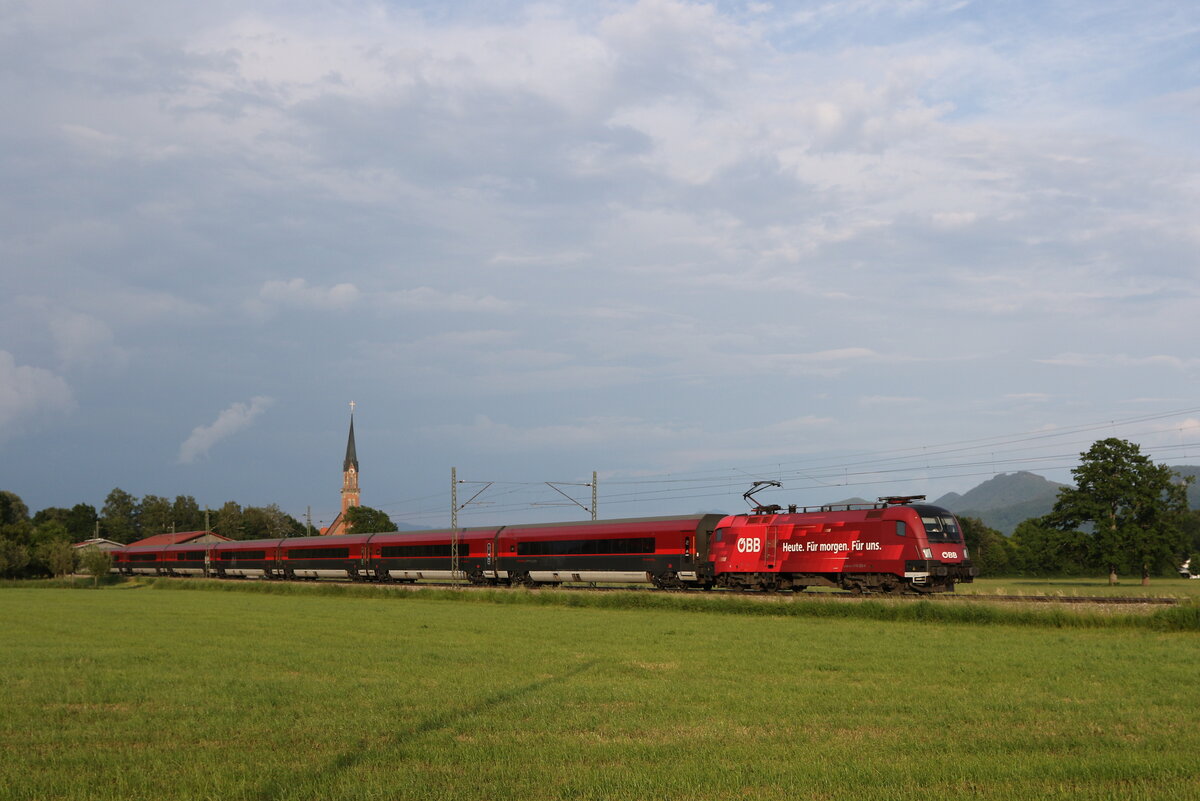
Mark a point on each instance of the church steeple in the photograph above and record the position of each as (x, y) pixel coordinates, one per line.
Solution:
(350, 493)
(351, 454)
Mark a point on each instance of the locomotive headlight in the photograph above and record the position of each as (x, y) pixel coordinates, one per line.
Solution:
(966, 553)
(928, 553)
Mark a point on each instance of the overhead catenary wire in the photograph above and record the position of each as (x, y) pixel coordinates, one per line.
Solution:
(1049, 450)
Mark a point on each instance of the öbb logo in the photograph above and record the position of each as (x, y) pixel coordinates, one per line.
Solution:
(749, 545)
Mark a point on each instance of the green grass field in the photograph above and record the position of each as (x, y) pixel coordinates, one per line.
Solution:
(128, 692)
(1128, 587)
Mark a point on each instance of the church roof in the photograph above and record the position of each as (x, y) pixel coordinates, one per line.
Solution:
(351, 454)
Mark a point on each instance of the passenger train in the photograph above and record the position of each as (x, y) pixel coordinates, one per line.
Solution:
(895, 545)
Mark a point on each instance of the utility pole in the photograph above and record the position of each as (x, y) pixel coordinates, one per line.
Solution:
(453, 521)
(554, 486)
(454, 507)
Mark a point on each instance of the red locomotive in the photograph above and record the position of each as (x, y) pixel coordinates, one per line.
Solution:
(892, 546)
(895, 545)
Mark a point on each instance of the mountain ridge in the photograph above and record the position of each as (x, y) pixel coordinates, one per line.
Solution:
(1006, 500)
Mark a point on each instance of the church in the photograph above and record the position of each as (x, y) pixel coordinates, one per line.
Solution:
(350, 493)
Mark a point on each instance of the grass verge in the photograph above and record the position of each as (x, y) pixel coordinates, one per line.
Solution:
(265, 692)
(1184, 617)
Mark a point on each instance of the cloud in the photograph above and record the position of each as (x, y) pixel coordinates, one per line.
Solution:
(230, 421)
(83, 340)
(483, 432)
(888, 400)
(428, 299)
(297, 294)
(1120, 360)
(26, 391)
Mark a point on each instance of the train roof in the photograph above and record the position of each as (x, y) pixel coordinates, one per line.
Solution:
(622, 521)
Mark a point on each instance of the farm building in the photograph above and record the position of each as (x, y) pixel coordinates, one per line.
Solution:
(181, 537)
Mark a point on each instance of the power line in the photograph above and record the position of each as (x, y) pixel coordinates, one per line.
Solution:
(966, 458)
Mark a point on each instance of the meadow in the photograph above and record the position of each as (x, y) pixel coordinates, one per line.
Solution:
(1127, 587)
(261, 692)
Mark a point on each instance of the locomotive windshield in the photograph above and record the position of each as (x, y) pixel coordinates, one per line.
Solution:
(940, 527)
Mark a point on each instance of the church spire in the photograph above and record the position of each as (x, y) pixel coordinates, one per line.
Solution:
(350, 492)
(351, 453)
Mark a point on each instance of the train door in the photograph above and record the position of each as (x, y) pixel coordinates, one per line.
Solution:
(490, 565)
(770, 544)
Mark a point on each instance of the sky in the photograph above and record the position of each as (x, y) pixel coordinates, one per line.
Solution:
(863, 248)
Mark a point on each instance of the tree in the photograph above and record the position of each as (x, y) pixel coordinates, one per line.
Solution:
(12, 508)
(1040, 549)
(14, 558)
(81, 522)
(15, 525)
(229, 521)
(96, 563)
(119, 517)
(156, 516)
(1134, 508)
(1191, 533)
(268, 522)
(50, 551)
(988, 547)
(186, 514)
(365, 520)
(57, 557)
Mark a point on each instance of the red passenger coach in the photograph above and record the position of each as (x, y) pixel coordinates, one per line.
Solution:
(664, 551)
(138, 560)
(244, 558)
(188, 559)
(416, 555)
(891, 546)
(342, 556)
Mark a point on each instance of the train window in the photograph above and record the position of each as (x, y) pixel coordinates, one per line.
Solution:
(191, 556)
(229, 556)
(318, 553)
(143, 557)
(586, 547)
(423, 551)
(720, 536)
(901, 528)
(940, 528)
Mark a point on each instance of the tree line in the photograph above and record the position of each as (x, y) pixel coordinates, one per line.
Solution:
(1124, 516)
(40, 544)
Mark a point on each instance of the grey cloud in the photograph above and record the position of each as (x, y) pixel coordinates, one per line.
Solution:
(28, 394)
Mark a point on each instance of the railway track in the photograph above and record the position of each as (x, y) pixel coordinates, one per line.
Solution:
(834, 596)
(1071, 599)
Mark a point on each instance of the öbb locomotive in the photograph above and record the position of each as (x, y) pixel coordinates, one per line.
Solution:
(893, 546)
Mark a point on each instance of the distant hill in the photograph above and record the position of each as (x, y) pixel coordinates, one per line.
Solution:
(849, 501)
(1005, 501)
